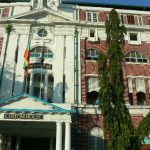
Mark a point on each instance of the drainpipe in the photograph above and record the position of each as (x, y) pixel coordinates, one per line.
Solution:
(8, 29)
(76, 63)
(64, 77)
(76, 83)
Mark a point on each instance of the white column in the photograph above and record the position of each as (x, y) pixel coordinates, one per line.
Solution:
(31, 84)
(58, 135)
(46, 87)
(67, 136)
(51, 143)
(18, 143)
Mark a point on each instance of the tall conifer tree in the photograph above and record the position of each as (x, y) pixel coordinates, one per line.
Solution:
(117, 120)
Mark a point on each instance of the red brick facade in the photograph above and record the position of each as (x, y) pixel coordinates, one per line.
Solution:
(82, 15)
(5, 12)
(91, 67)
(136, 119)
(85, 124)
(88, 121)
(102, 17)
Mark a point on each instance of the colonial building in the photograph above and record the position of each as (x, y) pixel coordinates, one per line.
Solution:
(59, 95)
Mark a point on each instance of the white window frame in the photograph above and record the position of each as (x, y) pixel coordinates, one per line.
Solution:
(148, 20)
(140, 22)
(95, 38)
(92, 16)
(1, 11)
(95, 134)
(121, 19)
(138, 42)
(136, 58)
(90, 56)
(140, 85)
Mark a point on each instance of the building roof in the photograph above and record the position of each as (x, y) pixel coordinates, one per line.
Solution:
(28, 103)
(112, 3)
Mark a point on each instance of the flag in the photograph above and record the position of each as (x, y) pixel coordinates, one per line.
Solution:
(26, 59)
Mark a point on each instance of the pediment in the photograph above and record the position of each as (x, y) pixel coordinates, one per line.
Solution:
(43, 15)
(28, 103)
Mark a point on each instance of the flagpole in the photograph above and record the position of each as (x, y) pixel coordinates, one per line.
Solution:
(26, 83)
(26, 63)
(14, 69)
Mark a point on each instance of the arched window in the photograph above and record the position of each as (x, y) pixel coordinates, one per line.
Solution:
(91, 54)
(40, 50)
(95, 139)
(136, 57)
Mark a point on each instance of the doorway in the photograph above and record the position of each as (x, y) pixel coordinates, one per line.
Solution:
(35, 144)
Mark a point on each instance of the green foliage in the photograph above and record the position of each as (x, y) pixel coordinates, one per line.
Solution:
(143, 129)
(8, 28)
(117, 120)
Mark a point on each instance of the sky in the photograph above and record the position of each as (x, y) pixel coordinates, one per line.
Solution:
(145, 3)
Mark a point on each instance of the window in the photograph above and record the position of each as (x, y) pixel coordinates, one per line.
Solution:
(40, 50)
(130, 19)
(141, 98)
(50, 88)
(91, 54)
(95, 139)
(140, 21)
(130, 98)
(42, 86)
(136, 57)
(93, 35)
(92, 17)
(38, 85)
(140, 85)
(130, 87)
(122, 18)
(42, 33)
(134, 38)
(92, 88)
(0, 12)
(92, 98)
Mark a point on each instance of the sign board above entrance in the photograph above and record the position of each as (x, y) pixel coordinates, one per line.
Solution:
(39, 65)
(23, 116)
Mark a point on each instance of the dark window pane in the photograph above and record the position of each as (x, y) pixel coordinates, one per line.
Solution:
(133, 60)
(133, 37)
(139, 60)
(144, 60)
(140, 98)
(130, 99)
(92, 33)
(130, 19)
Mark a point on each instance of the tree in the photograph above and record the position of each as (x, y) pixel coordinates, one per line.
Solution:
(117, 120)
(143, 129)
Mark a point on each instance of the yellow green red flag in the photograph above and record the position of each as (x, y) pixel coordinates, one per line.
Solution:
(26, 59)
